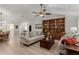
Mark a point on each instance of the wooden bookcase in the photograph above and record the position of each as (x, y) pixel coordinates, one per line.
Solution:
(55, 26)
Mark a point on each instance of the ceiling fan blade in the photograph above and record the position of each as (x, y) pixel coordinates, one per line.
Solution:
(44, 10)
(36, 15)
(34, 12)
(47, 13)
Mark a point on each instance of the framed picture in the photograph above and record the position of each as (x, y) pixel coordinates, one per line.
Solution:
(38, 26)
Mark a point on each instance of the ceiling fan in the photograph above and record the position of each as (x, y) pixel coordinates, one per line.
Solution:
(42, 11)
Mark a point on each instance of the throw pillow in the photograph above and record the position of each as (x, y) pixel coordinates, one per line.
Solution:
(70, 41)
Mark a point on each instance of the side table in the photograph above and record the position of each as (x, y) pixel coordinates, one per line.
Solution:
(46, 44)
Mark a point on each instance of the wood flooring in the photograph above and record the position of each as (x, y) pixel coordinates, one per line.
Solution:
(35, 49)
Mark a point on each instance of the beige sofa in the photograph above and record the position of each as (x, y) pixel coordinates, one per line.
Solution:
(30, 38)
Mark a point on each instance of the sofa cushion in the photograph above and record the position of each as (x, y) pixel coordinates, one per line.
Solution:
(25, 34)
(35, 38)
(35, 33)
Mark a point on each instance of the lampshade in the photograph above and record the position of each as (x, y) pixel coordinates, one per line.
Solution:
(41, 15)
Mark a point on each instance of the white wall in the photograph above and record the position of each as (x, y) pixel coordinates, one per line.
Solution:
(16, 15)
(71, 21)
(78, 23)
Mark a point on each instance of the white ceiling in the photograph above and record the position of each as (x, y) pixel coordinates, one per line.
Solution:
(54, 8)
(23, 12)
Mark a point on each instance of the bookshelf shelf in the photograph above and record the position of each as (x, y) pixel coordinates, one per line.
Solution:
(55, 26)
